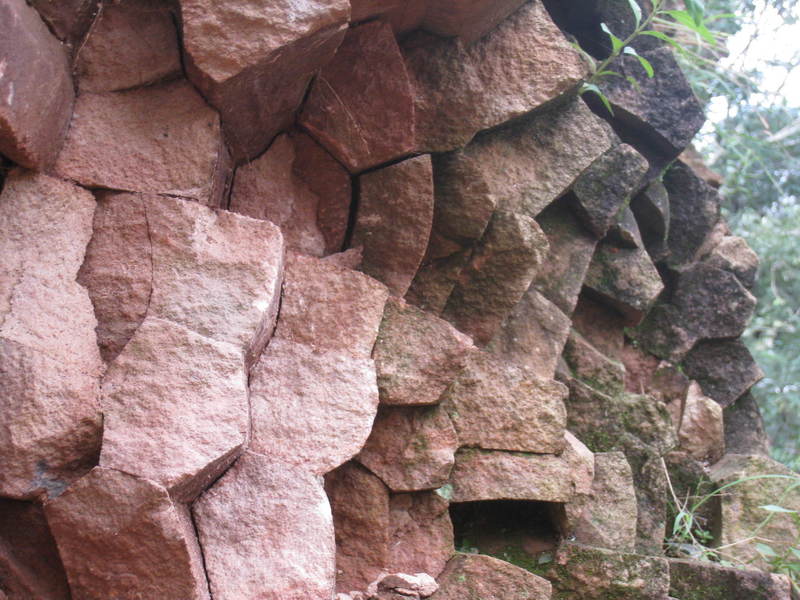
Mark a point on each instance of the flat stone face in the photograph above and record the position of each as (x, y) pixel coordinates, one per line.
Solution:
(651, 209)
(68, 19)
(411, 448)
(664, 107)
(216, 273)
(626, 279)
(420, 534)
(479, 576)
(131, 43)
(361, 107)
(467, 19)
(459, 91)
(725, 369)
(175, 407)
(118, 269)
(498, 274)
(494, 475)
(161, 139)
(329, 307)
(266, 531)
(50, 363)
(744, 427)
(701, 430)
(36, 92)
(585, 573)
(716, 582)
(122, 537)
(29, 560)
(360, 505)
(497, 405)
(417, 355)
(311, 408)
(602, 190)
(734, 255)
(254, 61)
(269, 189)
(532, 335)
(607, 517)
(395, 214)
(591, 366)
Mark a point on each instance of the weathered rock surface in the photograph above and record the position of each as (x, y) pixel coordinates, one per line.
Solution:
(161, 139)
(498, 274)
(312, 408)
(695, 579)
(266, 531)
(592, 367)
(30, 566)
(269, 189)
(36, 92)
(417, 355)
(67, 19)
(174, 393)
(49, 361)
(725, 369)
(700, 427)
(525, 62)
(121, 536)
(479, 576)
(496, 405)
(421, 533)
(606, 518)
(395, 214)
(493, 475)
(605, 187)
(361, 107)
(329, 307)
(468, 20)
(734, 255)
(532, 335)
(118, 269)
(411, 448)
(624, 232)
(744, 427)
(254, 65)
(651, 209)
(601, 326)
(584, 573)
(131, 43)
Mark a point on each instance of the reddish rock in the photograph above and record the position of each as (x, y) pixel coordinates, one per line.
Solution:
(30, 566)
(216, 273)
(592, 366)
(417, 355)
(365, 9)
(390, 586)
(420, 533)
(411, 448)
(269, 189)
(122, 537)
(311, 407)
(49, 361)
(498, 405)
(266, 531)
(487, 578)
(175, 407)
(360, 505)
(493, 475)
(131, 43)
(361, 106)
(734, 255)
(67, 19)
(606, 518)
(36, 92)
(701, 430)
(438, 274)
(498, 274)
(560, 277)
(523, 63)
(395, 213)
(467, 19)
(532, 335)
(717, 582)
(329, 307)
(161, 139)
(254, 61)
(326, 178)
(348, 259)
(118, 269)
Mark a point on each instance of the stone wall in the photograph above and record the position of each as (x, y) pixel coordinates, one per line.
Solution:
(360, 297)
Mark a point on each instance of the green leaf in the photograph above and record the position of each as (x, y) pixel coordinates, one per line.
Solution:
(648, 68)
(608, 73)
(591, 87)
(696, 10)
(636, 10)
(684, 18)
(765, 550)
(616, 43)
(662, 36)
(776, 509)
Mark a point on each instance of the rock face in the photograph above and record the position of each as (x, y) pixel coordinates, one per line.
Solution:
(254, 65)
(162, 139)
(36, 92)
(718, 582)
(122, 537)
(361, 107)
(50, 365)
(478, 576)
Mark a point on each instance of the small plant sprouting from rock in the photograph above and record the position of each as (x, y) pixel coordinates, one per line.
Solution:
(691, 21)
